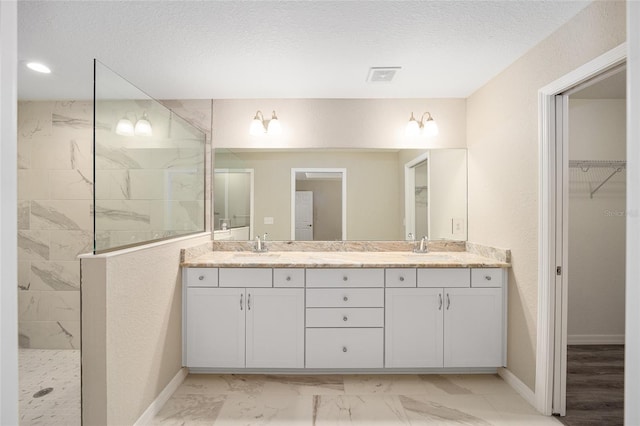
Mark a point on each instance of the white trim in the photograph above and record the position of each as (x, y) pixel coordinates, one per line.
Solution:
(162, 398)
(518, 385)
(595, 339)
(318, 170)
(546, 217)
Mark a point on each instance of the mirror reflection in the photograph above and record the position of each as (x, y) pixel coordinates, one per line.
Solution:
(340, 194)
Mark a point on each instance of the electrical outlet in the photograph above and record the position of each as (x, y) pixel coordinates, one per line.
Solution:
(457, 226)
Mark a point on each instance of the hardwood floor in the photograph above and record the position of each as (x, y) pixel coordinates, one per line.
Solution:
(595, 385)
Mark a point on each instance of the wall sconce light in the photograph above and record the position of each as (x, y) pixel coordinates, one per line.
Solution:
(426, 128)
(260, 126)
(125, 126)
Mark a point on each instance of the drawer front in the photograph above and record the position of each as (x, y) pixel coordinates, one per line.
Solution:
(444, 277)
(486, 277)
(400, 277)
(345, 277)
(345, 317)
(202, 277)
(345, 298)
(344, 348)
(288, 277)
(246, 277)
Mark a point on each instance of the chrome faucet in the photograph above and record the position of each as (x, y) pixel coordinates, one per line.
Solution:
(422, 248)
(260, 245)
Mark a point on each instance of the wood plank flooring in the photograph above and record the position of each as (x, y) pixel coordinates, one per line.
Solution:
(595, 385)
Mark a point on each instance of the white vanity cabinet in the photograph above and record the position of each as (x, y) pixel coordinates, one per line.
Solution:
(236, 327)
(453, 318)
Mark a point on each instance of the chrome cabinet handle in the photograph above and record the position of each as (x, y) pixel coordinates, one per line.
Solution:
(448, 301)
(401, 279)
(344, 318)
(344, 349)
(345, 278)
(241, 300)
(288, 278)
(249, 302)
(346, 299)
(487, 277)
(440, 301)
(201, 277)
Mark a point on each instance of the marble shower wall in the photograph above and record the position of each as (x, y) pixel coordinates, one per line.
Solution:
(55, 224)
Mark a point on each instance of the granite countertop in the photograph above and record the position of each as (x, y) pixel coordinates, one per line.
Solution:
(351, 259)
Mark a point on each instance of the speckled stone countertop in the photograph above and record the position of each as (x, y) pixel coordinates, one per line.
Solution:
(345, 259)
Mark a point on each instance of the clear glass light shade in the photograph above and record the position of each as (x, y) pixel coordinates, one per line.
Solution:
(430, 128)
(413, 128)
(257, 127)
(143, 127)
(274, 127)
(124, 127)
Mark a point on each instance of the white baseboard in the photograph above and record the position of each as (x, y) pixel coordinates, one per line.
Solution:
(517, 384)
(595, 339)
(157, 404)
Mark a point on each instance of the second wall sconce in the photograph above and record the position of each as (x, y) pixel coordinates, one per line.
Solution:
(425, 127)
(125, 126)
(260, 126)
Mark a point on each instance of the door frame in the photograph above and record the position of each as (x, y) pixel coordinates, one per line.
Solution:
(251, 174)
(342, 171)
(553, 168)
(410, 195)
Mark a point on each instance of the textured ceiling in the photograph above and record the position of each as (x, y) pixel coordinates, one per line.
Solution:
(279, 49)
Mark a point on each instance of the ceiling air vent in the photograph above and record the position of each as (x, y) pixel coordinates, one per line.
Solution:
(382, 74)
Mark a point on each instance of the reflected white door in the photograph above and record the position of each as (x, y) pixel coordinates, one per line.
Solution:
(304, 215)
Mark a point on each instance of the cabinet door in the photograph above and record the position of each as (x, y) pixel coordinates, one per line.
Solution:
(215, 327)
(413, 327)
(473, 327)
(275, 328)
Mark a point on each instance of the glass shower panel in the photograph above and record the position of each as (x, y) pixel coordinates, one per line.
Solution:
(149, 167)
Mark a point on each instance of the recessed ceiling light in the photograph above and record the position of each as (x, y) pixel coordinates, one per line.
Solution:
(38, 67)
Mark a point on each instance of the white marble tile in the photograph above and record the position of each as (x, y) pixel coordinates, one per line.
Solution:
(514, 409)
(358, 410)
(191, 409)
(24, 274)
(52, 154)
(294, 385)
(33, 245)
(391, 384)
(24, 213)
(71, 184)
(55, 275)
(147, 184)
(33, 184)
(123, 215)
(113, 185)
(118, 158)
(449, 409)
(34, 119)
(24, 153)
(49, 306)
(57, 369)
(222, 384)
(67, 245)
(77, 109)
(49, 334)
(478, 384)
(259, 410)
(61, 214)
(195, 111)
(184, 185)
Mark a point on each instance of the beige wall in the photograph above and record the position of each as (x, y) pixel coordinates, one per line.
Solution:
(132, 329)
(448, 194)
(596, 269)
(502, 139)
(327, 208)
(338, 123)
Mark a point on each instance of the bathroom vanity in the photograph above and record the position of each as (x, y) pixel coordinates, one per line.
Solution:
(344, 311)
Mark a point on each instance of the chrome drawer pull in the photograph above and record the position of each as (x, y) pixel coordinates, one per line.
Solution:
(344, 349)
(288, 278)
(487, 277)
(345, 278)
(346, 299)
(344, 318)
(448, 301)
(201, 277)
(440, 302)
(401, 278)
(249, 301)
(241, 301)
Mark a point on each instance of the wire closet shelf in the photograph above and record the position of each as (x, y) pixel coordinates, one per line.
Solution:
(597, 172)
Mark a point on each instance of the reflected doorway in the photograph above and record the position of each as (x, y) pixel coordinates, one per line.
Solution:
(318, 204)
(416, 174)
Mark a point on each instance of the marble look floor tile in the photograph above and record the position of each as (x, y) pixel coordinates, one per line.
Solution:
(390, 384)
(304, 384)
(478, 384)
(262, 410)
(221, 384)
(192, 409)
(380, 410)
(449, 409)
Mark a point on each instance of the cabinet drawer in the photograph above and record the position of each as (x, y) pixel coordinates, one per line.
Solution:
(345, 317)
(288, 277)
(486, 277)
(444, 277)
(344, 348)
(202, 277)
(246, 277)
(345, 277)
(345, 297)
(400, 277)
